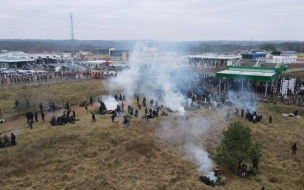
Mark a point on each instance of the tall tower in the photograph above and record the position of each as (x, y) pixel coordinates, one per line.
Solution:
(72, 35)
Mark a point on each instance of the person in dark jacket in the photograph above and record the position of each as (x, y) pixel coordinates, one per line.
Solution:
(42, 116)
(91, 100)
(296, 113)
(67, 105)
(31, 122)
(93, 117)
(113, 117)
(255, 162)
(74, 115)
(294, 149)
(13, 139)
(41, 107)
(36, 116)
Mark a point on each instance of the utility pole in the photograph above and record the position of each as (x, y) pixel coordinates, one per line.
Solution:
(72, 40)
(250, 44)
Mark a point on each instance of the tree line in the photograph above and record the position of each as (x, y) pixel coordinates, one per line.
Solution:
(286, 46)
(189, 47)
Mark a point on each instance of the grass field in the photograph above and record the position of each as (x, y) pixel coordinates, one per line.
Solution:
(105, 155)
(73, 92)
(298, 75)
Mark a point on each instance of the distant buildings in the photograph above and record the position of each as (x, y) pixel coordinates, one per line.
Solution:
(105, 53)
(20, 59)
(255, 56)
(300, 57)
(286, 57)
(119, 55)
(210, 59)
(150, 55)
(94, 54)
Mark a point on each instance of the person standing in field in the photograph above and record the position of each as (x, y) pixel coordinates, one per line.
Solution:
(294, 149)
(74, 115)
(42, 116)
(93, 117)
(36, 116)
(91, 100)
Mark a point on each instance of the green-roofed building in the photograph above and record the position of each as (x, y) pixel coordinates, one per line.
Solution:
(254, 71)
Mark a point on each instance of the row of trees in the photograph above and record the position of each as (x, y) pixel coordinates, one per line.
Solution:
(40, 46)
(190, 47)
(286, 46)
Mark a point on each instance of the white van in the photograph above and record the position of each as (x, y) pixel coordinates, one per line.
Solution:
(21, 71)
(3, 69)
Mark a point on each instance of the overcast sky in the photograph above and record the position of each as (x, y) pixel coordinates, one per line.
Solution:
(153, 19)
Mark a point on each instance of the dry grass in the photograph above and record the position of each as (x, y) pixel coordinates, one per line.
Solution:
(104, 155)
(73, 92)
(298, 75)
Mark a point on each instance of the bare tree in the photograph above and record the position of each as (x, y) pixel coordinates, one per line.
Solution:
(24, 97)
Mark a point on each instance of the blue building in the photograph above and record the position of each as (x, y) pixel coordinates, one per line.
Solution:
(254, 56)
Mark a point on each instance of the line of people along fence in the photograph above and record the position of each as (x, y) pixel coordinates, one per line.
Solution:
(21, 79)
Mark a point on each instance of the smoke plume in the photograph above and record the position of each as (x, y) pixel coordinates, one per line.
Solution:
(168, 85)
(187, 135)
(110, 102)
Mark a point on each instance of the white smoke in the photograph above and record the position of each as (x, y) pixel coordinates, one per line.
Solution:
(189, 101)
(241, 100)
(212, 176)
(124, 80)
(143, 79)
(127, 80)
(110, 102)
(200, 157)
(189, 133)
(173, 100)
(17, 131)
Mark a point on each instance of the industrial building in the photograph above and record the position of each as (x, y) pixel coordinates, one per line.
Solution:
(16, 60)
(286, 57)
(119, 56)
(212, 59)
(254, 56)
(300, 57)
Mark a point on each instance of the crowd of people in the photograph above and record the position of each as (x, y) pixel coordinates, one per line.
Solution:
(43, 76)
(243, 170)
(198, 89)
